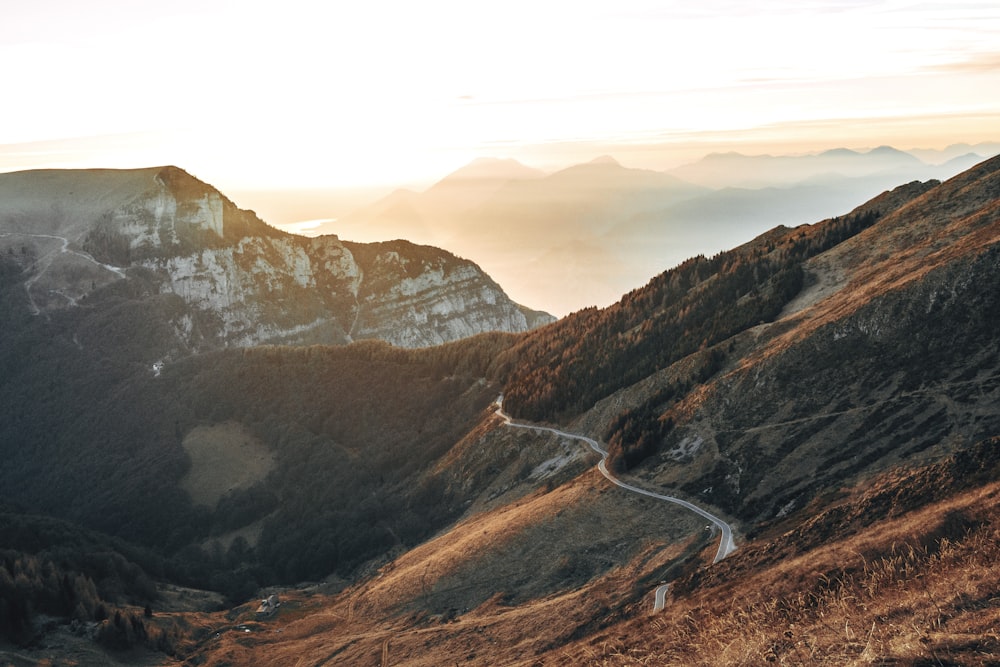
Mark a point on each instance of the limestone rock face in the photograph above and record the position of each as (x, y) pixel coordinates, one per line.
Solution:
(416, 296)
(78, 235)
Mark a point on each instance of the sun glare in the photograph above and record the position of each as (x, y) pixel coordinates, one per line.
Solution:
(399, 93)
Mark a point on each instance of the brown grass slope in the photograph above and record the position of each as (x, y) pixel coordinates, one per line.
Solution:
(896, 571)
(899, 571)
(569, 556)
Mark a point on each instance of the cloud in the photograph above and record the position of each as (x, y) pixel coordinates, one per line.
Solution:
(979, 63)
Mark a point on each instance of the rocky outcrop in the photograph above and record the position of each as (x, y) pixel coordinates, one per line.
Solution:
(246, 283)
(416, 296)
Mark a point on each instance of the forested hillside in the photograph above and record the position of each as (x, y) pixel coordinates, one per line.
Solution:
(91, 434)
(561, 371)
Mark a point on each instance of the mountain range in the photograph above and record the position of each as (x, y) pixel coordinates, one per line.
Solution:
(829, 390)
(584, 235)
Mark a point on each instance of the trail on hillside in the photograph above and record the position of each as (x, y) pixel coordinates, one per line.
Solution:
(726, 543)
(44, 262)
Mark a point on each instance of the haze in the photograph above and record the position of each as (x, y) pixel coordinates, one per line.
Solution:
(342, 102)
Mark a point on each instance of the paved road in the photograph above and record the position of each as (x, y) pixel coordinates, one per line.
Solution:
(726, 543)
(661, 597)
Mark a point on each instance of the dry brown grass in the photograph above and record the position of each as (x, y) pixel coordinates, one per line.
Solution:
(503, 586)
(893, 594)
(900, 572)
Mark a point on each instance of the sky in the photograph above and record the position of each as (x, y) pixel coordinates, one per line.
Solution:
(267, 95)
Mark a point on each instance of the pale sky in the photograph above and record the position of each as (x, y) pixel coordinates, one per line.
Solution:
(340, 94)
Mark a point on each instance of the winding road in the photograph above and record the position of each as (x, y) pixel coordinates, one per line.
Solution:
(726, 543)
(661, 597)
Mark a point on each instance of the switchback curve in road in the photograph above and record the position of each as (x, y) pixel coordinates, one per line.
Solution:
(661, 597)
(726, 543)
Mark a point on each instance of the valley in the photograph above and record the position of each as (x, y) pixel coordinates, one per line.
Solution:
(827, 392)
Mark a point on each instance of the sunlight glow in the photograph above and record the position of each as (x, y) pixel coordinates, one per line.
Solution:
(348, 94)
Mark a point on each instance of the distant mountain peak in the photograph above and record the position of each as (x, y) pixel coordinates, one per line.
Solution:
(888, 150)
(605, 159)
(486, 160)
(490, 168)
(728, 155)
(839, 152)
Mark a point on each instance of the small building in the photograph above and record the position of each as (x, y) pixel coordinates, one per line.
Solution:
(268, 606)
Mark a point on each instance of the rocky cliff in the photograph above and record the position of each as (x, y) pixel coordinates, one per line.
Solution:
(78, 234)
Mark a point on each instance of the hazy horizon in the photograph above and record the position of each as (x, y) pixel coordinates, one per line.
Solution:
(339, 104)
(564, 261)
(390, 93)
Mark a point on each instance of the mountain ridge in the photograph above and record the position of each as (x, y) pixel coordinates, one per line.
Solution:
(244, 281)
(634, 220)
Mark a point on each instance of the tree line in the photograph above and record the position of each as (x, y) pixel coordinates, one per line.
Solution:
(559, 371)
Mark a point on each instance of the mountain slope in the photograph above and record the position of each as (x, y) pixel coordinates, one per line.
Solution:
(898, 571)
(831, 390)
(809, 356)
(800, 383)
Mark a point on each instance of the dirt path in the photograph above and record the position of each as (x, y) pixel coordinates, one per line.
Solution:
(44, 263)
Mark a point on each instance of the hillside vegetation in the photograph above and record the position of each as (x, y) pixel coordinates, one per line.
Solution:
(830, 389)
(899, 571)
(92, 436)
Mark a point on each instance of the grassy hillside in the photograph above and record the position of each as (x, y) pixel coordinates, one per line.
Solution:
(897, 571)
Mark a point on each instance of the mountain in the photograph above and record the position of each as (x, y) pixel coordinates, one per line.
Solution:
(429, 216)
(633, 222)
(853, 279)
(831, 388)
(84, 238)
(517, 223)
(472, 184)
(828, 390)
(935, 156)
(580, 203)
(720, 170)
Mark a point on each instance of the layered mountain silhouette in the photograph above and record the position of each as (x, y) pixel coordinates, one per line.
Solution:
(628, 224)
(831, 389)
